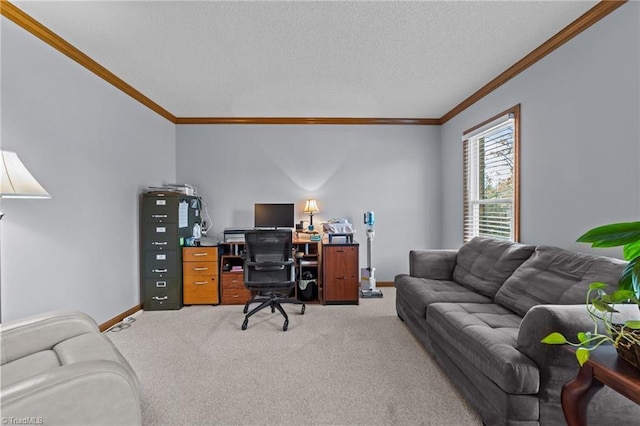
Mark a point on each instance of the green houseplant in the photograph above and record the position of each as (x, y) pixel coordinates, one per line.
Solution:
(601, 306)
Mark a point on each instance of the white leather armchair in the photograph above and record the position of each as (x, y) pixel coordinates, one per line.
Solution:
(57, 368)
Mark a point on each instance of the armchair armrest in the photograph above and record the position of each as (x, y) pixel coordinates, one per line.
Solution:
(41, 332)
(432, 264)
(89, 392)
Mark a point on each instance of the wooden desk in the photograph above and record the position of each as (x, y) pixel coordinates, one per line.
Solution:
(604, 367)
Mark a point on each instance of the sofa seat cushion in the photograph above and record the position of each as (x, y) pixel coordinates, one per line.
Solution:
(28, 366)
(554, 276)
(421, 292)
(483, 264)
(485, 336)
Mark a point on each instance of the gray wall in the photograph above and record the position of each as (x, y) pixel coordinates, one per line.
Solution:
(93, 148)
(392, 170)
(580, 137)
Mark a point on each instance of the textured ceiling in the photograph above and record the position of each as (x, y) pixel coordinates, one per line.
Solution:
(306, 58)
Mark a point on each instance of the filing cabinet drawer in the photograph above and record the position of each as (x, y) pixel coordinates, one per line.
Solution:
(159, 294)
(199, 268)
(157, 236)
(235, 296)
(200, 290)
(161, 264)
(160, 209)
(200, 254)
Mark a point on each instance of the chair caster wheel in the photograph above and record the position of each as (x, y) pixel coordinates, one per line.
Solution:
(246, 309)
(303, 308)
(285, 326)
(273, 310)
(245, 323)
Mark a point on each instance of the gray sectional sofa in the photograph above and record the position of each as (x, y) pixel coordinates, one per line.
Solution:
(481, 312)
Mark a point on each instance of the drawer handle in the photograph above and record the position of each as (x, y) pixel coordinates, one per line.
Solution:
(200, 282)
(339, 251)
(234, 281)
(341, 278)
(159, 270)
(200, 254)
(158, 215)
(159, 243)
(160, 298)
(201, 269)
(235, 296)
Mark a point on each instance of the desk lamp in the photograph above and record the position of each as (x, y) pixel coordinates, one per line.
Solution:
(311, 207)
(16, 181)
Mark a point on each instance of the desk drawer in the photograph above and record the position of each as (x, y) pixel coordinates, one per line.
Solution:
(200, 290)
(199, 268)
(233, 280)
(235, 296)
(200, 254)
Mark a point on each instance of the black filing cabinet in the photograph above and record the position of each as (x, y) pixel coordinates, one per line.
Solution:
(167, 219)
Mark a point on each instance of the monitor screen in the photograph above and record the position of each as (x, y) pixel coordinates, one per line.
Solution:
(273, 215)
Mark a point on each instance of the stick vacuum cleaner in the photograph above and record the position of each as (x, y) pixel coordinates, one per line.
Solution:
(368, 281)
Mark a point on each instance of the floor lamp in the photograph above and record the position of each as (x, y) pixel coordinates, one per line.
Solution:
(16, 181)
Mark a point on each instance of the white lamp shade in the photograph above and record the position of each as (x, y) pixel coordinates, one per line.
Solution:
(16, 181)
(311, 206)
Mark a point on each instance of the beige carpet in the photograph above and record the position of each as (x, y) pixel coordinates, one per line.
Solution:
(335, 365)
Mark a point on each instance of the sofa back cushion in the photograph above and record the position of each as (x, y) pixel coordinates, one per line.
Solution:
(483, 264)
(556, 276)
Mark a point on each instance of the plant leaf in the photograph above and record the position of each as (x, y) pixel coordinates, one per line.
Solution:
(634, 324)
(631, 250)
(582, 336)
(621, 296)
(602, 306)
(597, 285)
(554, 338)
(612, 235)
(582, 354)
(625, 282)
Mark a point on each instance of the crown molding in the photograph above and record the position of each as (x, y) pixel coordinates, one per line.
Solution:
(25, 21)
(587, 19)
(593, 15)
(308, 120)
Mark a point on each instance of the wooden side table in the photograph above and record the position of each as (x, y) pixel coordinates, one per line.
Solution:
(604, 367)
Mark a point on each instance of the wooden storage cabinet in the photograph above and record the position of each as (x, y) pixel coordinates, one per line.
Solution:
(340, 274)
(233, 290)
(200, 276)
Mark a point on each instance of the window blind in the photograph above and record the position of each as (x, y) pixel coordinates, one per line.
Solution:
(489, 181)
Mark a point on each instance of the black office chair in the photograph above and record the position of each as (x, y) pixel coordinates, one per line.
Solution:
(269, 270)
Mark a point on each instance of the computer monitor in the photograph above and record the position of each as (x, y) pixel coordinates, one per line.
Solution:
(274, 215)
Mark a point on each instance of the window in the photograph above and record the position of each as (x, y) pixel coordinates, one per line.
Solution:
(491, 178)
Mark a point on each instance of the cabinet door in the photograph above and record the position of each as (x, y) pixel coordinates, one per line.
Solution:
(341, 273)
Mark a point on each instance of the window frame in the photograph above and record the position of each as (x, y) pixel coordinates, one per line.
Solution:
(467, 135)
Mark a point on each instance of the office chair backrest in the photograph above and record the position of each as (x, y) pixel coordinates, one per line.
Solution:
(265, 246)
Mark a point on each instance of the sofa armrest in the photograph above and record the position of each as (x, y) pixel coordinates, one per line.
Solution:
(555, 363)
(41, 332)
(90, 392)
(432, 264)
